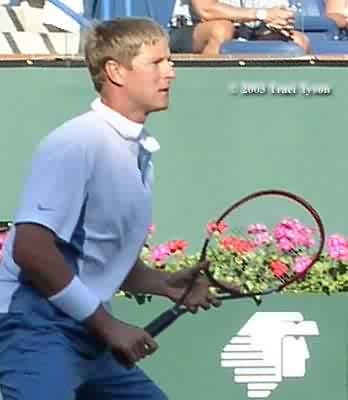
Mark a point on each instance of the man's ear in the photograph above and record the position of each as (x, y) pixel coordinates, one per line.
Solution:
(115, 72)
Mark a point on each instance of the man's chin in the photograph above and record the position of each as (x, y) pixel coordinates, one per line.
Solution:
(159, 107)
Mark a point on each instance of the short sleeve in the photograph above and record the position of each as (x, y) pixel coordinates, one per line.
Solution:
(55, 190)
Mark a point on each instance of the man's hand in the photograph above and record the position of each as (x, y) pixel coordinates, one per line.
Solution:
(128, 343)
(199, 296)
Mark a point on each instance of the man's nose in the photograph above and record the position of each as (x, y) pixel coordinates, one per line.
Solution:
(170, 71)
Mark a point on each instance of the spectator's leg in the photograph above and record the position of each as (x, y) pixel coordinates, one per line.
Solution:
(302, 40)
(209, 36)
(298, 38)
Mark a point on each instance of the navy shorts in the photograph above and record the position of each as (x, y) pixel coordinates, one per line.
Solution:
(181, 39)
(46, 355)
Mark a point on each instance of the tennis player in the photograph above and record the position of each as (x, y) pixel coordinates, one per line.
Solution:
(78, 231)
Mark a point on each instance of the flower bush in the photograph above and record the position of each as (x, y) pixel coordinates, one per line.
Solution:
(255, 260)
(261, 256)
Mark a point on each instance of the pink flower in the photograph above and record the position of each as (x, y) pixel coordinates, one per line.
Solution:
(151, 229)
(263, 238)
(256, 229)
(216, 229)
(285, 244)
(338, 247)
(291, 234)
(160, 254)
(3, 236)
(260, 233)
(301, 264)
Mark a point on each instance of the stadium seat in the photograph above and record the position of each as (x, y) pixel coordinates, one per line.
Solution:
(159, 10)
(313, 18)
(274, 47)
(321, 45)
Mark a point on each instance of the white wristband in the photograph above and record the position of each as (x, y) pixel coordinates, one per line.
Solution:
(76, 300)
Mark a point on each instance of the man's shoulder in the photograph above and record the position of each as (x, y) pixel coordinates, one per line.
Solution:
(78, 125)
(80, 129)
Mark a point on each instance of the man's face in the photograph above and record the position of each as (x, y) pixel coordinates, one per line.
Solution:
(148, 82)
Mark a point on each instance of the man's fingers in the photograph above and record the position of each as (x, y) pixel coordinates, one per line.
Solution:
(214, 301)
(139, 351)
(205, 265)
(201, 266)
(150, 345)
(193, 309)
(125, 358)
(205, 305)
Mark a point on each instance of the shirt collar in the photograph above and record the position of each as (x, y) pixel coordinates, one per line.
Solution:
(128, 129)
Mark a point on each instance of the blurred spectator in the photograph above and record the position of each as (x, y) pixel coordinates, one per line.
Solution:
(3, 234)
(338, 11)
(202, 26)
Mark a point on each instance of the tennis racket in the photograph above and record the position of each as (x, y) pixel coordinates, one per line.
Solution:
(258, 246)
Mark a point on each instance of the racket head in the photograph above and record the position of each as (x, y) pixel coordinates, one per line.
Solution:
(290, 259)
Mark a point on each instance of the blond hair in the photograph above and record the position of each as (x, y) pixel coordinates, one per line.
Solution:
(119, 40)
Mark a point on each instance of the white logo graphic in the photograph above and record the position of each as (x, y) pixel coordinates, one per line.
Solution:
(270, 346)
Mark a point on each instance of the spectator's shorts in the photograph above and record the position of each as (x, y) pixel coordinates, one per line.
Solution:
(181, 39)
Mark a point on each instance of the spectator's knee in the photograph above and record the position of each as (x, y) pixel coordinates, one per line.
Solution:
(222, 31)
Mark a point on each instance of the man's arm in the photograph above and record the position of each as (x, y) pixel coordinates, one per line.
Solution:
(36, 253)
(209, 10)
(143, 279)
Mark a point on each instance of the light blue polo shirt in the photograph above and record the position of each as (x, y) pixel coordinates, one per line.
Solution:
(90, 182)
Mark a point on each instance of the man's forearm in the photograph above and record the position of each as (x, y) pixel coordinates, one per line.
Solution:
(224, 11)
(43, 264)
(143, 279)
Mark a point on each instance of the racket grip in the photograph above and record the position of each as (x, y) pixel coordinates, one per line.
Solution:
(164, 320)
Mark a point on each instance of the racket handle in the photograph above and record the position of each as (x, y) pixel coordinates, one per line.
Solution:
(164, 320)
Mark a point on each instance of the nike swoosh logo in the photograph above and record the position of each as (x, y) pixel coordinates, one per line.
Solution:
(41, 208)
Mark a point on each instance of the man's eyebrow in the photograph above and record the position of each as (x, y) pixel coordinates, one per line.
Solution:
(162, 58)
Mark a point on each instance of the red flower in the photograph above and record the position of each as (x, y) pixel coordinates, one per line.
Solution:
(238, 245)
(279, 269)
(218, 229)
(177, 246)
